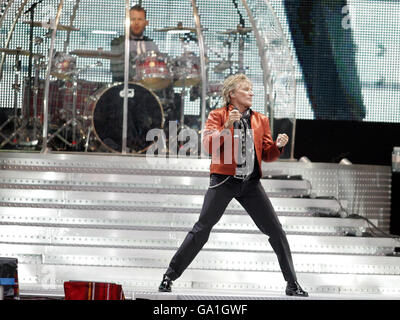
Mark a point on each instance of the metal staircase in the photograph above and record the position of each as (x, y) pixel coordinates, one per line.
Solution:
(120, 219)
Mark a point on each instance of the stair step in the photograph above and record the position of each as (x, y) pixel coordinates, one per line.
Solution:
(12, 179)
(149, 239)
(230, 222)
(205, 260)
(135, 201)
(49, 279)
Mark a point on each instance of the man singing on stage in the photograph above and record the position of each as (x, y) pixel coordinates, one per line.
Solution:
(237, 138)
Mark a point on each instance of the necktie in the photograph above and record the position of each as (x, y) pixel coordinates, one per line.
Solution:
(245, 159)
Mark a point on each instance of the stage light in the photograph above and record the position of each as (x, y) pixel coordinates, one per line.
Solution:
(304, 159)
(396, 159)
(345, 162)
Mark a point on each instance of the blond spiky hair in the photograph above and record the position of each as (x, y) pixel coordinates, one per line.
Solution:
(230, 84)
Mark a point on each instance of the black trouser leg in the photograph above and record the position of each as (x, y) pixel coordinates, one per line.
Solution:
(215, 202)
(257, 204)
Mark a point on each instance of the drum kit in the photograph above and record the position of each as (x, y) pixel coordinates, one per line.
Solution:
(88, 115)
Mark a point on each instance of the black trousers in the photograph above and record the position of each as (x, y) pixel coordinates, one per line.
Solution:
(251, 195)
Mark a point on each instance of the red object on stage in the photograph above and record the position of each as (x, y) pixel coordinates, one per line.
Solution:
(82, 290)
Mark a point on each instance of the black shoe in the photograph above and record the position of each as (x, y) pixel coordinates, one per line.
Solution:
(165, 285)
(294, 289)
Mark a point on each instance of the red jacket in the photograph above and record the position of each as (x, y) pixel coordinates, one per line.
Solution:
(213, 141)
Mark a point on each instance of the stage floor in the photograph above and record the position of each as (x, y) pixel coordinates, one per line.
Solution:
(253, 295)
(200, 295)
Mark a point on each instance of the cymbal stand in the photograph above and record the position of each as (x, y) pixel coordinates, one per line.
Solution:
(183, 94)
(31, 10)
(35, 91)
(30, 137)
(241, 53)
(16, 87)
(174, 142)
(85, 117)
(228, 43)
(73, 122)
(185, 39)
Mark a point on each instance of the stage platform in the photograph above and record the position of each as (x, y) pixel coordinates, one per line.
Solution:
(115, 218)
(224, 295)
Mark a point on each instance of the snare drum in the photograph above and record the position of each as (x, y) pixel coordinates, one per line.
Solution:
(187, 70)
(153, 70)
(144, 113)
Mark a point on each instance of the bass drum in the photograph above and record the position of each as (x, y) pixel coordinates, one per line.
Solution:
(144, 113)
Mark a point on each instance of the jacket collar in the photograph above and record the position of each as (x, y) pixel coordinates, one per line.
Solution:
(230, 108)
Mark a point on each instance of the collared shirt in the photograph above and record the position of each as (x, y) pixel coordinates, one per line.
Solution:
(256, 171)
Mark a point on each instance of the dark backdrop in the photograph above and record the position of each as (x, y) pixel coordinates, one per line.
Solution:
(360, 142)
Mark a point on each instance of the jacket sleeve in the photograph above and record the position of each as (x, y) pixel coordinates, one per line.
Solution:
(270, 151)
(214, 131)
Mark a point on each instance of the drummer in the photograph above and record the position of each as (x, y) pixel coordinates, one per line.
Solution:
(138, 44)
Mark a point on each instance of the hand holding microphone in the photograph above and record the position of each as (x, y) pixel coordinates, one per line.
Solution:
(233, 119)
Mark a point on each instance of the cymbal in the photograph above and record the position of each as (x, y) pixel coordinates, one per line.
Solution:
(240, 30)
(20, 52)
(101, 54)
(47, 25)
(178, 29)
(222, 66)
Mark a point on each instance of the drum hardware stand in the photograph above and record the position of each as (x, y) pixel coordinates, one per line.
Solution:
(33, 122)
(32, 16)
(184, 41)
(16, 87)
(73, 122)
(183, 94)
(38, 66)
(241, 53)
(90, 129)
(239, 33)
(228, 43)
(25, 112)
(97, 64)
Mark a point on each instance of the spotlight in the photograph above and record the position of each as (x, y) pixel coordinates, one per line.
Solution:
(345, 162)
(304, 159)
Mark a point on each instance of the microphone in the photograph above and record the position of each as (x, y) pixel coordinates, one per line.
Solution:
(236, 127)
